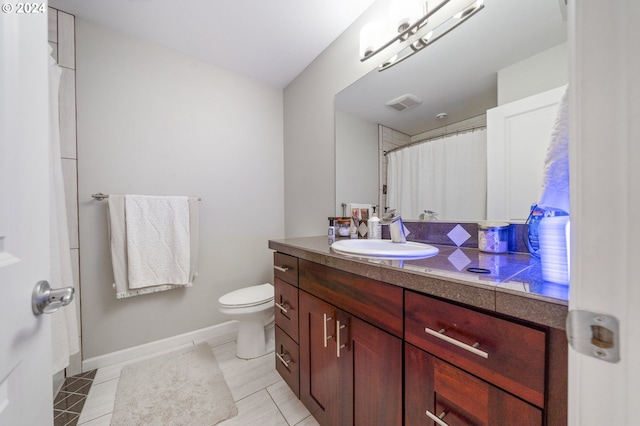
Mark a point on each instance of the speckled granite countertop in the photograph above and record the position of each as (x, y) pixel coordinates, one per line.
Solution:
(514, 287)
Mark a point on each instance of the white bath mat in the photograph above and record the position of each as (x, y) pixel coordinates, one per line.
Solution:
(179, 388)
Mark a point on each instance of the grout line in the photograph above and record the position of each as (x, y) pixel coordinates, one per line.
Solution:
(277, 406)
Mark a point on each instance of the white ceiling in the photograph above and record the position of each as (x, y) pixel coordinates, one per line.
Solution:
(269, 40)
(458, 74)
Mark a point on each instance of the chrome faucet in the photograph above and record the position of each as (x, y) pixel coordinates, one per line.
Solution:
(396, 227)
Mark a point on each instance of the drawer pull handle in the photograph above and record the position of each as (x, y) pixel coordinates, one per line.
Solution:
(284, 358)
(338, 345)
(473, 349)
(281, 268)
(437, 419)
(326, 338)
(284, 307)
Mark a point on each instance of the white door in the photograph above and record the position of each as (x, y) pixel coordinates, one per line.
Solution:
(604, 108)
(25, 339)
(518, 136)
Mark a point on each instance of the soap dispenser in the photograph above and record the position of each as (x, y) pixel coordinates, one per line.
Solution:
(374, 227)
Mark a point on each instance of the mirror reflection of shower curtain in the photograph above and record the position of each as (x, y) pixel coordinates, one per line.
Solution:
(64, 323)
(447, 176)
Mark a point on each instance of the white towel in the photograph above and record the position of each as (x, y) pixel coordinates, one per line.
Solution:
(555, 181)
(157, 240)
(119, 252)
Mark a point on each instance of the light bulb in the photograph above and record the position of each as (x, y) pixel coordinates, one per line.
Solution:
(371, 38)
(404, 13)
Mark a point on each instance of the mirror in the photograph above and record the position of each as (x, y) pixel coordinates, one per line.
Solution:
(508, 51)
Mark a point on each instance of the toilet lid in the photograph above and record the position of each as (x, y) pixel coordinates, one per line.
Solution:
(248, 296)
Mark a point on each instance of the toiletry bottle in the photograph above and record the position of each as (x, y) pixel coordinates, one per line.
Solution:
(331, 232)
(375, 229)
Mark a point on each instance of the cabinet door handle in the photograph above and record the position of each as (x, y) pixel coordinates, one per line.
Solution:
(284, 307)
(471, 348)
(284, 358)
(338, 345)
(281, 268)
(437, 419)
(326, 338)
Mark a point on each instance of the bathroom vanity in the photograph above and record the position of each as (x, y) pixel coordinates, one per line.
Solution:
(369, 342)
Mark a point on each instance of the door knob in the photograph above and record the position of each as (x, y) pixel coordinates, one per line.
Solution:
(44, 300)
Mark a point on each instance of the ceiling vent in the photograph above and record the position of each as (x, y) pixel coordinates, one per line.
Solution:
(404, 102)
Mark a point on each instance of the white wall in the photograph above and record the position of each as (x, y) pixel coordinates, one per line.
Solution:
(154, 121)
(536, 74)
(309, 162)
(356, 161)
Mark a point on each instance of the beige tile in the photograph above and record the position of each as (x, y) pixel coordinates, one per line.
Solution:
(52, 17)
(226, 356)
(309, 421)
(290, 406)
(67, 119)
(480, 120)
(109, 373)
(54, 52)
(256, 409)
(100, 421)
(66, 40)
(99, 401)
(69, 176)
(251, 376)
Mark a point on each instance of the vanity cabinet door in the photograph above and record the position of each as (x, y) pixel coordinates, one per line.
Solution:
(375, 369)
(350, 370)
(435, 389)
(321, 389)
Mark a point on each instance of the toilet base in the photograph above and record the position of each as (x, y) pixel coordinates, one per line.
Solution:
(254, 339)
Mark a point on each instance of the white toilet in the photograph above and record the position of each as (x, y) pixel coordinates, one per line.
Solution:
(252, 307)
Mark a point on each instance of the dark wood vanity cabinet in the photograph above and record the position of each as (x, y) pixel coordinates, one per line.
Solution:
(350, 369)
(363, 352)
(466, 367)
(286, 319)
(436, 389)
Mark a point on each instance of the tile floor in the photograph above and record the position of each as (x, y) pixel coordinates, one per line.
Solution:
(261, 395)
(69, 401)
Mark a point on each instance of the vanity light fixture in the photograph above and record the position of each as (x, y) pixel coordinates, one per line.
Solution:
(413, 25)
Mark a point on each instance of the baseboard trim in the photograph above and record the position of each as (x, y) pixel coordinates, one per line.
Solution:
(215, 335)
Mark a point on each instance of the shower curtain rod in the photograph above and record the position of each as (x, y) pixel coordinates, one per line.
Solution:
(100, 196)
(456, 132)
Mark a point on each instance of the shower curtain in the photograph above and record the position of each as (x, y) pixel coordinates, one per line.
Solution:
(64, 323)
(447, 176)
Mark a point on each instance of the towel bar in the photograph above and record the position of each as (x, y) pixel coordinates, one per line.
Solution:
(100, 196)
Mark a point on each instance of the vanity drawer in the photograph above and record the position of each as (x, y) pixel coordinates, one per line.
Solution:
(287, 360)
(376, 302)
(286, 308)
(285, 267)
(507, 354)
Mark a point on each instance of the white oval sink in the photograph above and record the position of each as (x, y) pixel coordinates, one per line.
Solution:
(384, 249)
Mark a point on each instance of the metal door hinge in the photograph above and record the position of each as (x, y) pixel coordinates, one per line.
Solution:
(595, 335)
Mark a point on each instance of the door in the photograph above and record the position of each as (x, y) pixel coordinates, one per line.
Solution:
(25, 339)
(518, 136)
(321, 387)
(604, 108)
(374, 360)
(435, 389)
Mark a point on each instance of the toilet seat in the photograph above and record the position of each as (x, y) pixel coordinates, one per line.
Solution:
(248, 296)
